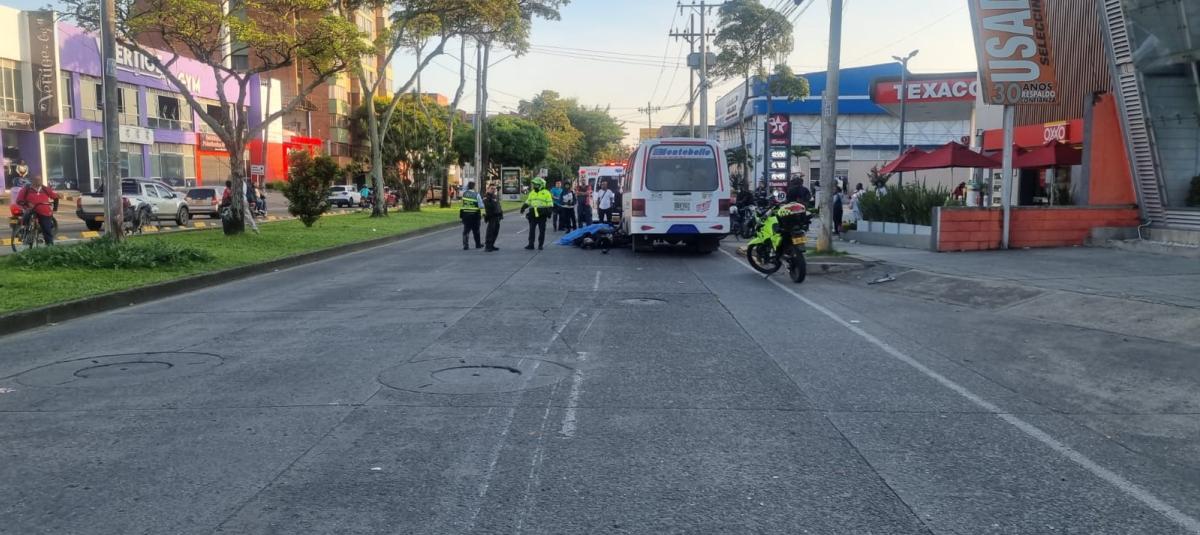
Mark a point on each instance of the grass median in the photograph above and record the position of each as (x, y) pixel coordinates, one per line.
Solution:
(24, 288)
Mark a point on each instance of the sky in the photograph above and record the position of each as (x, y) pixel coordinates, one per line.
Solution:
(617, 54)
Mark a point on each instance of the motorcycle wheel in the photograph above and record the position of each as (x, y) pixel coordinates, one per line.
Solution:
(748, 228)
(798, 269)
(763, 258)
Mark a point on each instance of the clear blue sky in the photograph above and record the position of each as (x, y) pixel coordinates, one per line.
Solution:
(631, 36)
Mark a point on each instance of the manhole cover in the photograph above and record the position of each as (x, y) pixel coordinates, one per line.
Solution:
(474, 376)
(119, 370)
(643, 301)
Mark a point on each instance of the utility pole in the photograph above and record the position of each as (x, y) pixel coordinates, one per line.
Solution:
(691, 79)
(649, 110)
(113, 211)
(478, 119)
(703, 7)
(483, 100)
(903, 101)
(829, 114)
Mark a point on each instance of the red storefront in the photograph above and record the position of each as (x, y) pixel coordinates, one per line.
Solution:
(276, 164)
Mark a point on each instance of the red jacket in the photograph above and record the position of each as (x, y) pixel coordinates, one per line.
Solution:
(38, 198)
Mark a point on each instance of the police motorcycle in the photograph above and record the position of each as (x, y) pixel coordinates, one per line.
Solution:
(781, 240)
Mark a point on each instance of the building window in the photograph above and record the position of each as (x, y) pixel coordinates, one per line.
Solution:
(174, 164)
(10, 86)
(91, 91)
(240, 62)
(67, 96)
(168, 111)
(130, 159)
(60, 161)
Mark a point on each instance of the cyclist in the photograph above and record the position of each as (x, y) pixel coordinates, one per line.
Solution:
(35, 199)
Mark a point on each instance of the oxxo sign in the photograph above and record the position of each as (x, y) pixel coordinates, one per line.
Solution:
(1054, 132)
(1012, 41)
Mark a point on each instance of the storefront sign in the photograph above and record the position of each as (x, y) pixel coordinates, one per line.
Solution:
(210, 142)
(1012, 41)
(1036, 135)
(140, 64)
(1054, 131)
(43, 62)
(15, 120)
(958, 89)
(136, 134)
(779, 143)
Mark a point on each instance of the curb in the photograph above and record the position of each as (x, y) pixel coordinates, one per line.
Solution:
(24, 320)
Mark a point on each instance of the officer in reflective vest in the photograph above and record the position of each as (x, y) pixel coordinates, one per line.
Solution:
(539, 204)
(470, 212)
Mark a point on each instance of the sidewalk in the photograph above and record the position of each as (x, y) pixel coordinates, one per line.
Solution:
(1137, 294)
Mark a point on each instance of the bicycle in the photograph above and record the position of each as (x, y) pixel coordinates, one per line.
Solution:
(29, 234)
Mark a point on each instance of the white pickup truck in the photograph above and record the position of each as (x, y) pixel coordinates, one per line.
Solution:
(162, 203)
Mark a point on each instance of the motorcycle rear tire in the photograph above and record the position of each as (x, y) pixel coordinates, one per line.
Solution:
(798, 269)
(763, 258)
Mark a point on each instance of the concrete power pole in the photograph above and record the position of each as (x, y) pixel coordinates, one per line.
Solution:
(113, 212)
(479, 119)
(649, 111)
(829, 114)
(692, 37)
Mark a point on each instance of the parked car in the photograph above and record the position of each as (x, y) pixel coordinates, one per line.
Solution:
(434, 194)
(389, 197)
(345, 196)
(204, 200)
(165, 204)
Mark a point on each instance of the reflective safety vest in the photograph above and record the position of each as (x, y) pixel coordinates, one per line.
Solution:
(539, 199)
(470, 202)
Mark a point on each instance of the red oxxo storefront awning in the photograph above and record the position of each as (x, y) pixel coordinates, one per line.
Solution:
(1037, 135)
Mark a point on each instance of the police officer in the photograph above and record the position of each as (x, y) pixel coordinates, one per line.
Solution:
(539, 204)
(492, 213)
(470, 212)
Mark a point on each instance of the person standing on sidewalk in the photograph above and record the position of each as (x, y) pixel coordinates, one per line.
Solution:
(492, 213)
(539, 204)
(470, 214)
(604, 202)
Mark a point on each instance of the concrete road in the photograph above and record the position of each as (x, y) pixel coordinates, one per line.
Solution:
(419, 388)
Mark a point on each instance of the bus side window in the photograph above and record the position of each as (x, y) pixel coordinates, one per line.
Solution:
(627, 184)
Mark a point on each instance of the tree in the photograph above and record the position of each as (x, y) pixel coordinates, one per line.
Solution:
(602, 135)
(307, 188)
(415, 25)
(304, 34)
(512, 142)
(749, 34)
(552, 113)
(415, 143)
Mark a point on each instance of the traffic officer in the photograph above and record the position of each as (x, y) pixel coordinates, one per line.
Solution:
(540, 204)
(470, 214)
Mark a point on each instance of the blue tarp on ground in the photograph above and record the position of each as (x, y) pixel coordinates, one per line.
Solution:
(570, 237)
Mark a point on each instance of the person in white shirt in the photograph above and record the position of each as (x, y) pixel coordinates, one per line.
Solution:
(604, 202)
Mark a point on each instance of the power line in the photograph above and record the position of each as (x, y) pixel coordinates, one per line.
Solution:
(606, 59)
(911, 34)
(666, 49)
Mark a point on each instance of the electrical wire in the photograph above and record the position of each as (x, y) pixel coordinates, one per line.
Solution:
(910, 34)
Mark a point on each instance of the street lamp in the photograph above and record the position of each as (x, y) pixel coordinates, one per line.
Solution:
(903, 99)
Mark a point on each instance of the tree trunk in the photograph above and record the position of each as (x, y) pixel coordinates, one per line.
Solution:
(377, 210)
(237, 172)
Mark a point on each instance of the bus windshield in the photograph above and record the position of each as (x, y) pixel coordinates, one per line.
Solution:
(681, 168)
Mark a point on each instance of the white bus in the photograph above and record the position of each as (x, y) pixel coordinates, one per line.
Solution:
(677, 190)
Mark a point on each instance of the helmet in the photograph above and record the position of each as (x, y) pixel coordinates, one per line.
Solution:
(538, 182)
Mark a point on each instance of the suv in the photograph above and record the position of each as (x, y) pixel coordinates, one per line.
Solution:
(164, 203)
(345, 196)
(205, 200)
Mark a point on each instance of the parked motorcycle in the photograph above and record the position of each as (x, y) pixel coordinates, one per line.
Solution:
(781, 239)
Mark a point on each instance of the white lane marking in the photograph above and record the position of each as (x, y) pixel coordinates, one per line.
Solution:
(1124, 485)
(519, 232)
(535, 462)
(485, 484)
(596, 285)
(567, 430)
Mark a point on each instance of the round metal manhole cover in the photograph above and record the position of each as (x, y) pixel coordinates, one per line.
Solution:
(474, 376)
(119, 370)
(643, 301)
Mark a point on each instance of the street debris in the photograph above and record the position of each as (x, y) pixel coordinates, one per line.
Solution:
(883, 279)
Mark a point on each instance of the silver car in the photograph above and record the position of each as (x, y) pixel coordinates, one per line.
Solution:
(204, 200)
